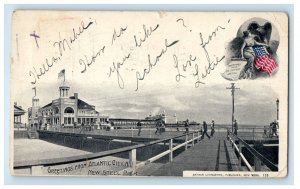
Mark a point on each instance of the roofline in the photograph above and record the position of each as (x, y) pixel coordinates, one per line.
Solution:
(20, 109)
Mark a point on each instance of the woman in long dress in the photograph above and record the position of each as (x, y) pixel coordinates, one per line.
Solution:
(249, 54)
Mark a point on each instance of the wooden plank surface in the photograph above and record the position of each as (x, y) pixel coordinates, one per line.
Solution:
(215, 154)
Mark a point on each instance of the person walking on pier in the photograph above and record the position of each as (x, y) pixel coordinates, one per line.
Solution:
(205, 130)
(159, 126)
(235, 127)
(266, 131)
(274, 128)
(212, 128)
(187, 125)
(139, 126)
(177, 125)
(82, 128)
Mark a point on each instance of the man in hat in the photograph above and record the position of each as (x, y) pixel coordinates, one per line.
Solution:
(235, 127)
(159, 126)
(186, 125)
(274, 128)
(205, 130)
(139, 126)
(212, 131)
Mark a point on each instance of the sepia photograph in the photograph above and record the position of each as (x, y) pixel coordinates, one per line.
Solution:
(149, 94)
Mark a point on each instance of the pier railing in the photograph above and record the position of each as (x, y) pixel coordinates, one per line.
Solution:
(190, 139)
(258, 157)
(146, 130)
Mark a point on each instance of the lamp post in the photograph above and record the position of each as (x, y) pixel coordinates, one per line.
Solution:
(277, 103)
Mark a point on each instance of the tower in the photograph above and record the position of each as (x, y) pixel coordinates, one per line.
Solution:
(33, 114)
(64, 91)
(64, 94)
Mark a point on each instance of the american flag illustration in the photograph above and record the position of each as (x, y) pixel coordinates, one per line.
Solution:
(264, 61)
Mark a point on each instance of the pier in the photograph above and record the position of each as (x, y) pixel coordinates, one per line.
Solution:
(213, 154)
(167, 154)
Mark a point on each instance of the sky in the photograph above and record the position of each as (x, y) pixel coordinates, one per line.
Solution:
(209, 102)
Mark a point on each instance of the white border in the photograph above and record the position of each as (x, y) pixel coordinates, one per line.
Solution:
(296, 68)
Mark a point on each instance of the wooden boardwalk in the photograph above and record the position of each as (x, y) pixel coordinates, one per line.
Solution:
(215, 154)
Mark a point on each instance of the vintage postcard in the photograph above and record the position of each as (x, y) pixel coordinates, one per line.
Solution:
(188, 94)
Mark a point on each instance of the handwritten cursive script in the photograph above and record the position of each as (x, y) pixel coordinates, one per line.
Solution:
(117, 35)
(62, 45)
(188, 65)
(117, 65)
(116, 68)
(147, 33)
(194, 65)
(152, 63)
(211, 64)
(86, 62)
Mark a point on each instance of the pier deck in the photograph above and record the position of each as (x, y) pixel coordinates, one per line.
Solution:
(150, 154)
(215, 154)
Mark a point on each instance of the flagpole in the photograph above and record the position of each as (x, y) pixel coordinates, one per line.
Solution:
(34, 88)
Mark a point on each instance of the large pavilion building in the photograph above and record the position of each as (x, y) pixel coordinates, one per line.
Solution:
(64, 111)
(166, 118)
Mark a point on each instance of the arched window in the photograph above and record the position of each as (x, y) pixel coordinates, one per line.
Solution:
(56, 110)
(69, 110)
